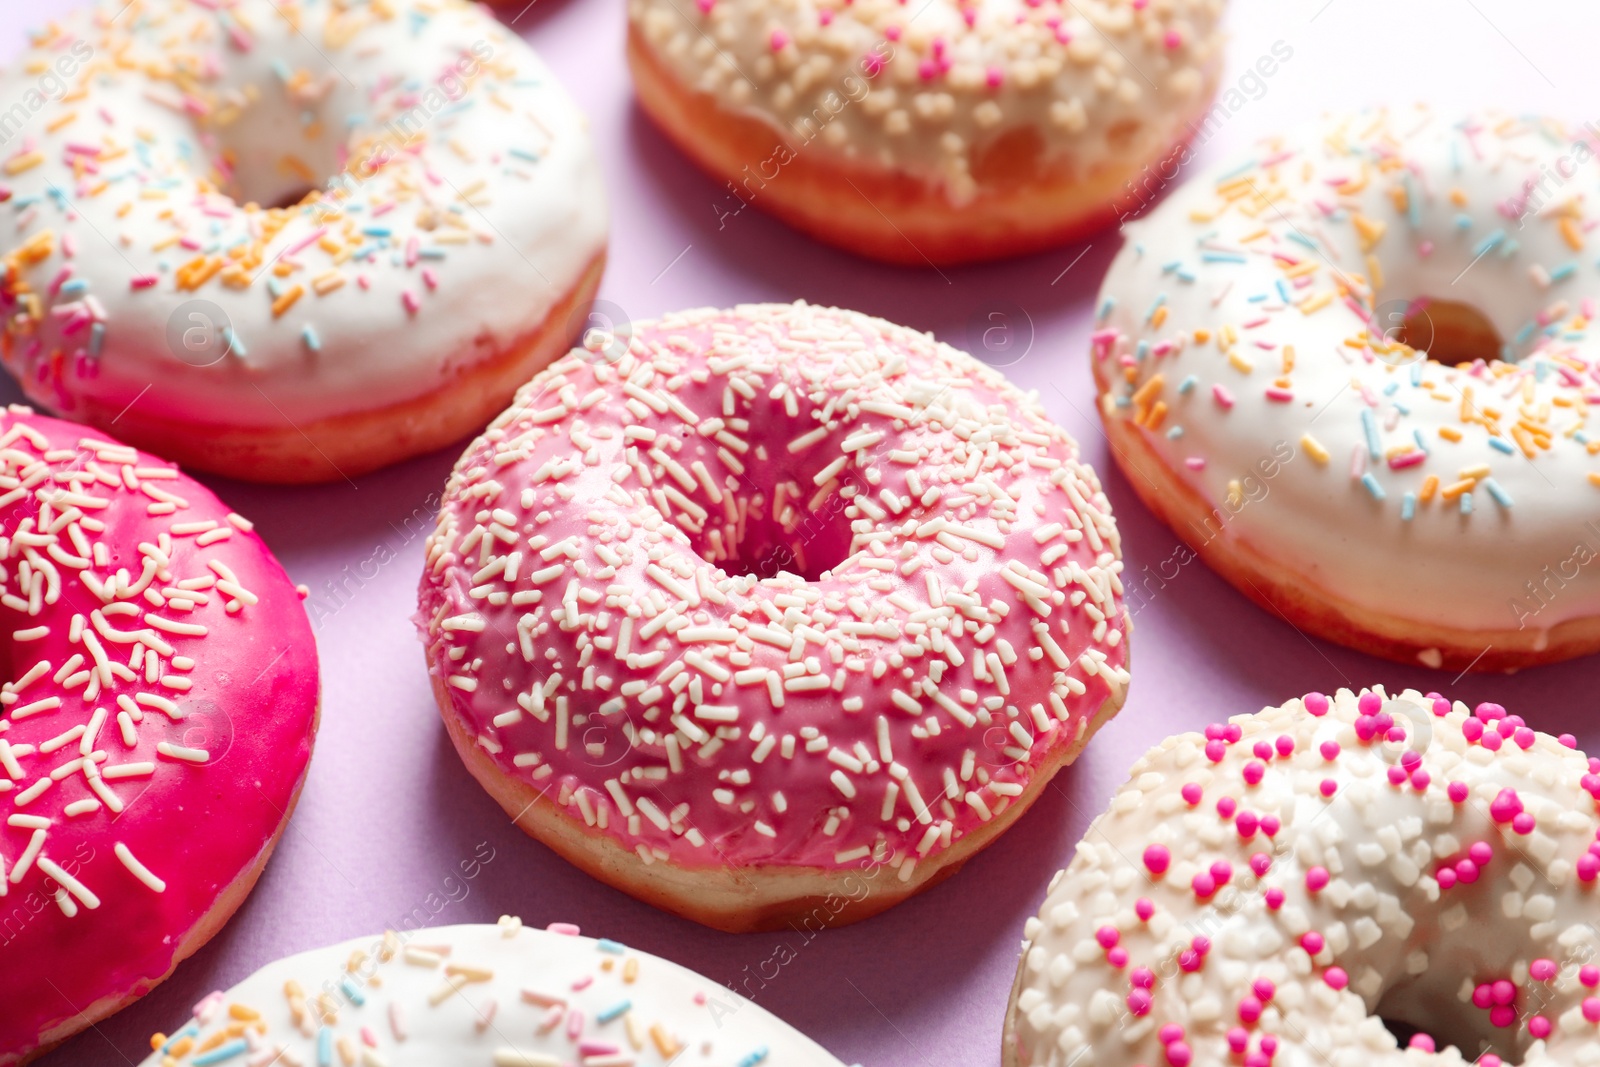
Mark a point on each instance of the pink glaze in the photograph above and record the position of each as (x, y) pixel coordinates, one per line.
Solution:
(922, 451)
(246, 689)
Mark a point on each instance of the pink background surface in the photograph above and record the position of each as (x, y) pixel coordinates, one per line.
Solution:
(389, 814)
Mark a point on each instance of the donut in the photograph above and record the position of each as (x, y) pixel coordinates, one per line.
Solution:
(505, 995)
(290, 241)
(771, 615)
(156, 720)
(1365, 345)
(943, 132)
(1320, 882)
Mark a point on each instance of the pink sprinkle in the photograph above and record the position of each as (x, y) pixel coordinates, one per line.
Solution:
(1157, 858)
(1458, 792)
(1192, 793)
(1369, 703)
(1543, 970)
(1313, 943)
(1336, 978)
(1316, 704)
(1215, 750)
(1397, 776)
(1238, 1039)
(1567, 741)
(1260, 864)
(1174, 39)
(1420, 780)
(1589, 976)
(1195, 463)
(1170, 1033)
(1222, 872)
(1179, 1054)
(1275, 898)
(1285, 745)
(1317, 879)
(1142, 978)
(1472, 730)
(1118, 958)
(1446, 878)
(994, 77)
(1203, 884)
(1591, 1009)
(705, 6)
(1523, 823)
(1330, 750)
(1222, 396)
(1249, 1010)
(1539, 1027)
(1407, 459)
(1506, 806)
(409, 299)
(1226, 807)
(565, 929)
(1108, 936)
(780, 38)
(1254, 771)
(1329, 787)
(1264, 990)
(1144, 908)
(1502, 1016)
(1139, 1002)
(1270, 825)
(1284, 396)
(144, 281)
(1423, 1042)
(1441, 707)
(1247, 824)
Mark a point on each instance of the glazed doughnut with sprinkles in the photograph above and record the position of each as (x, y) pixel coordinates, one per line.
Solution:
(156, 719)
(290, 240)
(1354, 368)
(941, 131)
(1288, 886)
(482, 996)
(758, 609)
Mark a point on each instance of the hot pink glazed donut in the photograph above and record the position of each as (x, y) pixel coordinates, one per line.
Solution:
(774, 614)
(155, 723)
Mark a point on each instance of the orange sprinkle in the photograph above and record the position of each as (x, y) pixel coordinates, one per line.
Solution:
(1147, 392)
(18, 164)
(1594, 478)
(1571, 233)
(1430, 485)
(286, 301)
(1455, 489)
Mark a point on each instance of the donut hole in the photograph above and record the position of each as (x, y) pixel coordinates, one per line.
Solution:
(1430, 1004)
(1449, 331)
(293, 197)
(806, 538)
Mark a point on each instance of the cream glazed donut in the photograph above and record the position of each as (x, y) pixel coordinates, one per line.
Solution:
(1269, 892)
(290, 241)
(771, 615)
(482, 996)
(945, 132)
(1277, 350)
(156, 719)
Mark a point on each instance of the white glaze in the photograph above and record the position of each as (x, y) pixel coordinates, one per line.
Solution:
(1491, 569)
(1411, 948)
(915, 88)
(495, 996)
(530, 230)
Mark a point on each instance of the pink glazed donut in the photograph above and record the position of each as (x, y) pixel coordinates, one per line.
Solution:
(772, 615)
(155, 723)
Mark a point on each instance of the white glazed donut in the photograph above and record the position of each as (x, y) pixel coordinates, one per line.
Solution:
(1270, 892)
(461, 226)
(482, 996)
(943, 131)
(1263, 401)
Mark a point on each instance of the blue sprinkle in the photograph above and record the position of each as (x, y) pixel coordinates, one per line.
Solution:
(1174, 433)
(1466, 503)
(1500, 444)
(1408, 506)
(1494, 489)
(1372, 486)
(1283, 291)
(1258, 297)
(1522, 335)
(376, 231)
(1463, 222)
(1369, 426)
(227, 1051)
(1105, 308)
(1123, 402)
(1243, 168)
(1489, 243)
(324, 1047)
(1563, 272)
(309, 336)
(1170, 267)
(97, 339)
(1141, 350)
(1300, 238)
(235, 345)
(281, 69)
(1401, 407)
(75, 286)
(1161, 298)
(605, 1015)
(754, 1058)
(1187, 385)
(616, 948)
(192, 1030)
(1389, 390)
(352, 991)
(1509, 249)
(530, 157)
(1422, 444)
(1413, 208)
(1416, 373)
(1222, 257)
(1185, 274)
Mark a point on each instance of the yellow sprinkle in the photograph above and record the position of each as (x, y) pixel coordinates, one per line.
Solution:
(61, 120)
(1370, 231)
(1240, 364)
(1375, 270)
(1449, 433)
(1235, 493)
(1316, 303)
(1572, 234)
(1476, 473)
(1594, 478)
(286, 301)
(1314, 448)
(1288, 358)
(245, 1014)
(327, 282)
(18, 164)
